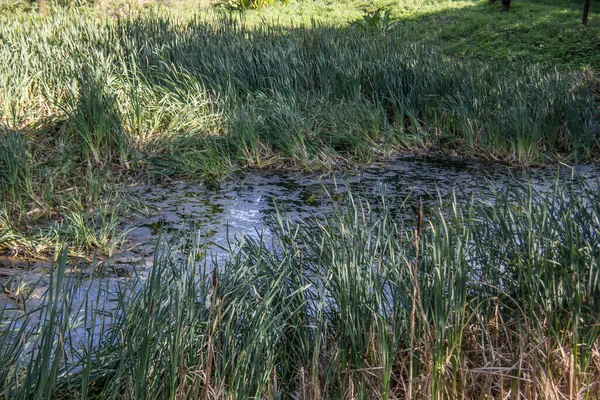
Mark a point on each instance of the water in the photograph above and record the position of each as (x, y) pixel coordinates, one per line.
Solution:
(246, 204)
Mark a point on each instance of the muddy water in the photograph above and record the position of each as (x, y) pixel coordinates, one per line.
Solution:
(246, 203)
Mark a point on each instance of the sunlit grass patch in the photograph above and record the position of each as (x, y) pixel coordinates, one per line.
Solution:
(546, 31)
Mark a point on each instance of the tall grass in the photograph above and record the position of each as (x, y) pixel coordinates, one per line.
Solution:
(243, 4)
(200, 96)
(490, 301)
(167, 78)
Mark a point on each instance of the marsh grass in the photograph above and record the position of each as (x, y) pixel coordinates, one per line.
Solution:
(155, 94)
(134, 78)
(494, 300)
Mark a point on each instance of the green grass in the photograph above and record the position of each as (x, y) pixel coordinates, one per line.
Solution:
(496, 300)
(545, 31)
(160, 92)
(542, 31)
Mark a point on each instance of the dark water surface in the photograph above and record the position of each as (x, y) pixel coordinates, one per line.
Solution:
(246, 204)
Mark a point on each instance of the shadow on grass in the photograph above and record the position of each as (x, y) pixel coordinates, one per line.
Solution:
(532, 31)
(198, 99)
(304, 95)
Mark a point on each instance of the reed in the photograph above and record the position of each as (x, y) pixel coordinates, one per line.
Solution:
(154, 94)
(494, 299)
(152, 79)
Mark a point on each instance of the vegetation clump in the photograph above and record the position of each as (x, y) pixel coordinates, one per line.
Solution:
(498, 300)
(154, 94)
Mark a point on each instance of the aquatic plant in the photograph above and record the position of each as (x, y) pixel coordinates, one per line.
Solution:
(153, 95)
(494, 300)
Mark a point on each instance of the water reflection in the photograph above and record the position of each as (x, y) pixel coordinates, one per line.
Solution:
(245, 204)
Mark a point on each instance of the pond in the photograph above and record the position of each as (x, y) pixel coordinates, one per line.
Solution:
(246, 203)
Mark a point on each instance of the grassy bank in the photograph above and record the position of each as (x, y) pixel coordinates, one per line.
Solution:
(541, 31)
(90, 103)
(493, 301)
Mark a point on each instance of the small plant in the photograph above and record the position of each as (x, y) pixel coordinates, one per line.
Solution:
(244, 4)
(378, 20)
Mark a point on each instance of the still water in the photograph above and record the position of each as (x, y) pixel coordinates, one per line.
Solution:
(246, 203)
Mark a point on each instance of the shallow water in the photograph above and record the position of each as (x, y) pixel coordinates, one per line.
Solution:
(247, 203)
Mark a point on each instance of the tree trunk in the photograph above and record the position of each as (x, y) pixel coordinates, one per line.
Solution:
(505, 5)
(586, 11)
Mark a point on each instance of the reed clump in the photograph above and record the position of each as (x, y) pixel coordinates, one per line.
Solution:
(299, 95)
(153, 94)
(493, 300)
